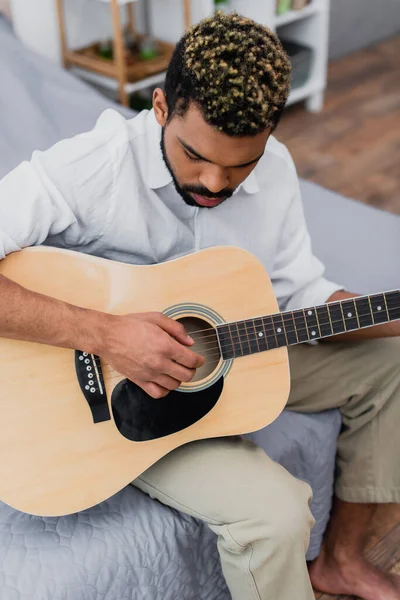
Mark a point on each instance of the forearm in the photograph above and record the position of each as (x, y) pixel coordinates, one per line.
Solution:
(29, 316)
(386, 330)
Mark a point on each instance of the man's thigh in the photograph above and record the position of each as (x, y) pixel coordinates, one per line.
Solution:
(224, 480)
(327, 374)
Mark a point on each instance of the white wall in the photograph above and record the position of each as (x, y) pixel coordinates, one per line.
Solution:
(356, 24)
(35, 23)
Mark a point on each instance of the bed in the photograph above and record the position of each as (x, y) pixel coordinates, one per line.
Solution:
(130, 547)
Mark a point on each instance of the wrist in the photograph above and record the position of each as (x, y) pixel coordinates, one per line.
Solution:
(94, 330)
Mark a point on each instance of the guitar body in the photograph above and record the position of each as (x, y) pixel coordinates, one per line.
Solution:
(57, 454)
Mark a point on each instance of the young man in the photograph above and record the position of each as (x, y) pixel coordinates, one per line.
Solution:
(202, 169)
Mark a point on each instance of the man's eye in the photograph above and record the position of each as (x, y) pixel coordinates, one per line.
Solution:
(192, 158)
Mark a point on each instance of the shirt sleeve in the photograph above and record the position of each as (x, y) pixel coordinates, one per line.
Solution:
(68, 187)
(298, 275)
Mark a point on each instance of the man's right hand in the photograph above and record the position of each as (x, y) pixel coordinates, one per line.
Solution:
(151, 350)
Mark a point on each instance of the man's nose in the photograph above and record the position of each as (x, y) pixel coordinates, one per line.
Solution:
(214, 178)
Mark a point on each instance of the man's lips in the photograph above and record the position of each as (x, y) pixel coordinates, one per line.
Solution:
(209, 202)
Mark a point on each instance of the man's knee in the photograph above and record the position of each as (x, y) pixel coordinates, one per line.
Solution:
(278, 510)
(292, 519)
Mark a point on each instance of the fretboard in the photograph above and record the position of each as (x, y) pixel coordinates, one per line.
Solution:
(241, 338)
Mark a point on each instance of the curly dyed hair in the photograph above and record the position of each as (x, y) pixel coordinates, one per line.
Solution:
(235, 70)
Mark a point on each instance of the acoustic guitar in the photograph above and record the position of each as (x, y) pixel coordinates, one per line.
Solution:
(74, 432)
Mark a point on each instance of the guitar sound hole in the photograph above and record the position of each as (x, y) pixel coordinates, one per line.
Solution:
(206, 344)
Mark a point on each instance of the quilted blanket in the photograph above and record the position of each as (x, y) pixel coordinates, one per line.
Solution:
(134, 548)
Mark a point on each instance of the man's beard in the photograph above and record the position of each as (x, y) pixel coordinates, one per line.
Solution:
(184, 190)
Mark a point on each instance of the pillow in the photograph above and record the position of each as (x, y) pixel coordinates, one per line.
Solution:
(5, 8)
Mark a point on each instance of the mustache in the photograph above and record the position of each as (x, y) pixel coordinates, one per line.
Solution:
(202, 191)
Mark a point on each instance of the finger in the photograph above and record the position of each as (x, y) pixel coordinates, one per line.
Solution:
(179, 372)
(174, 329)
(167, 382)
(186, 357)
(154, 390)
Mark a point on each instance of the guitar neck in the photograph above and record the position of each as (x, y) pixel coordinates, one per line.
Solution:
(241, 338)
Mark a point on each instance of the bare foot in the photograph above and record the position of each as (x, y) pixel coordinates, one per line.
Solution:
(354, 577)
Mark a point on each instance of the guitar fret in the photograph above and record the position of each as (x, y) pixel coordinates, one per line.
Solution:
(270, 332)
(290, 329)
(312, 323)
(380, 313)
(358, 318)
(271, 338)
(364, 311)
(318, 323)
(393, 302)
(279, 330)
(252, 338)
(301, 326)
(255, 335)
(348, 311)
(237, 342)
(387, 309)
(295, 327)
(234, 337)
(282, 321)
(225, 341)
(260, 333)
(336, 315)
(243, 337)
(329, 315)
(344, 320)
(306, 324)
(324, 321)
(231, 341)
(236, 349)
(371, 309)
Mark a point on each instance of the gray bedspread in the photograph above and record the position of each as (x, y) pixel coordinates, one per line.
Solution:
(134, 548)
(130, 547)
(40, 104)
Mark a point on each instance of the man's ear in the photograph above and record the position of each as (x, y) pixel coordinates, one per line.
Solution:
(160, 106)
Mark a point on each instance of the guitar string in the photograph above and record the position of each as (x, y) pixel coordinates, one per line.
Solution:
(255, 338)
(279, 315)
(339, 303)
(272, 328)
(239, 344)
(118, 375)
(284, 324)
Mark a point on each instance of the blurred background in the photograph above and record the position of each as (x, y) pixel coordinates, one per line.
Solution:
(63, 62)
(343, 122)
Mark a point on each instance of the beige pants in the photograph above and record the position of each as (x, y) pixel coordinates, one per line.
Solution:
(259, 512)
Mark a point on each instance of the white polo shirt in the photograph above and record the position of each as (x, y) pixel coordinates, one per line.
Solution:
(108, 193)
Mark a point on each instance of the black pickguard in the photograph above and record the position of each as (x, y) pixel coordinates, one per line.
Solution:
(140, 418)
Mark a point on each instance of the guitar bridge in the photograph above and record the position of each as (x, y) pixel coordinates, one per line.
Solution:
(90, 378)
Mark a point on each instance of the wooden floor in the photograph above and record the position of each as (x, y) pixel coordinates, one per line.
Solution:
(353, 147)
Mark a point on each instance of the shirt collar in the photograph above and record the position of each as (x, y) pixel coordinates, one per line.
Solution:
(158, 175)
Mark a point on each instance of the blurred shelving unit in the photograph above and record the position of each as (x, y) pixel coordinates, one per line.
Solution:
(308, 28)
(123, 71)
